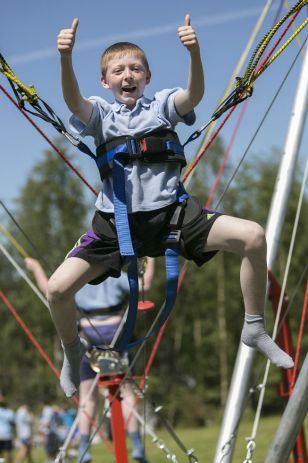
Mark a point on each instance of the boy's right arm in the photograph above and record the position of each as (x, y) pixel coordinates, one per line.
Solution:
(77, 104)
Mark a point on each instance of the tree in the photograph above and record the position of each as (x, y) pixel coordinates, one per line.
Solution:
(52, 211)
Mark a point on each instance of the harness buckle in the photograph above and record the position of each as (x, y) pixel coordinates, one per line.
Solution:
(152, 145)
(172, 238)
(133, 147)
(177, 218)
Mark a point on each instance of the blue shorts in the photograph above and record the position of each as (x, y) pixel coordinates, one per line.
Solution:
(148, 229)
(100, 334)
(26, 442)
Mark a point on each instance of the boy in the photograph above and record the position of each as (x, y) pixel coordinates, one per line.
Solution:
(151, 194)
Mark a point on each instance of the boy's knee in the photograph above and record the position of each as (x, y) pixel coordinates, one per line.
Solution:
(255, 238)
(56, 290)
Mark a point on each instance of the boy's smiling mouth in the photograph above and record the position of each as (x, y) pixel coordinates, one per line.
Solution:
(129, 89)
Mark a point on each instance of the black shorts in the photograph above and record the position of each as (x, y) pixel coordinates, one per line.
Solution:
(148, 229)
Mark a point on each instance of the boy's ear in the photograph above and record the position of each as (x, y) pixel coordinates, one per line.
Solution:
(148, 79)
(104, 82)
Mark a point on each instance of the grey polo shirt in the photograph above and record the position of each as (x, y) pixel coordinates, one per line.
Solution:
(111, 292)
(148, 186)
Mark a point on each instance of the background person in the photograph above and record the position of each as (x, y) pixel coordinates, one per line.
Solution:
(7, 425)
(101, 310)
(50, 420)
(24, 431)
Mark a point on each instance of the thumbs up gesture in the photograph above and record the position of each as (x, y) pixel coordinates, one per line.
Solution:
(66, 38)
(188, 36)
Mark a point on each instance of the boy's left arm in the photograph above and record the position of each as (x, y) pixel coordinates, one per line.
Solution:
(186, 100)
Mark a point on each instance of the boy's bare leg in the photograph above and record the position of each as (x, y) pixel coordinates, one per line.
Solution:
(247, 239)
(72, 275)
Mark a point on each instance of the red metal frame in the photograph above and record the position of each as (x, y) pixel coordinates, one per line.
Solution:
(112, 383)
(284, 340)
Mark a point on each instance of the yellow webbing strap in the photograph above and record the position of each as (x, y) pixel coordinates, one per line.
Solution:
(16, 245)
(26, 93)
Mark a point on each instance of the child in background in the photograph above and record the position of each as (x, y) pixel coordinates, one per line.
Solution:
(100, 310)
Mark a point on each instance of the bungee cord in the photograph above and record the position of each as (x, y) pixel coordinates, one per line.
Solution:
(230, 84)
(45, 356)
(51, 143)
(24, 254)
(253, 71)
(259, 127)
(298, 40)
(34, 287)
(225, 157)
(24, 276)
(244, 85)
(26, 236)
(30, 335)
(290, 301)
(299, 339)
(10, 237)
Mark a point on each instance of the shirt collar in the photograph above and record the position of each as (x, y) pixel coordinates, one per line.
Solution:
(121, 107)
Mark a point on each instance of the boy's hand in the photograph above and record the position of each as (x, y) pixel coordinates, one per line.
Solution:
(66, 38)
(31, 264)
(188, 36)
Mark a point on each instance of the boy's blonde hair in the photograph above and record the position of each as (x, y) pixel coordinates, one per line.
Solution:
(122, 48)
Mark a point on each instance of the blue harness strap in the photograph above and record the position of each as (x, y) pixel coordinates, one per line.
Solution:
(123, 341)
(118, 157)
(172, 276)
(120, 209)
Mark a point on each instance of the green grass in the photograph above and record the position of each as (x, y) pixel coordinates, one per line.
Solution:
(203, 440)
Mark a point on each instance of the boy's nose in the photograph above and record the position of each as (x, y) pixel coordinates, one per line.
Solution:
(127, 73)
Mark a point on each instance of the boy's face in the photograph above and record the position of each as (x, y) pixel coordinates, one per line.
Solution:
(126, 77)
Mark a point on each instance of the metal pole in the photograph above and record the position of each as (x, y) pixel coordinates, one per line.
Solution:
(240, 379)
(292, 420)
(287, 166)
(235, 404)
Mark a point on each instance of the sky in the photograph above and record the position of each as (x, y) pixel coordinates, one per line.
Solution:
(28, 42)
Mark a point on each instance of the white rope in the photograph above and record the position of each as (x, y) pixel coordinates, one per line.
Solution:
(24, 276)
(62, 450)
(275, 330)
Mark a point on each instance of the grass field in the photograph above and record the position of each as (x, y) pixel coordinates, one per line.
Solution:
(203, 440)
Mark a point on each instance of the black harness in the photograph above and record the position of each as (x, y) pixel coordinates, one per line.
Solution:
(161, 145)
